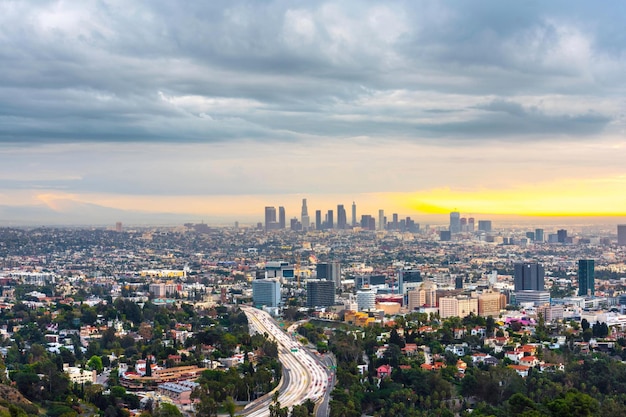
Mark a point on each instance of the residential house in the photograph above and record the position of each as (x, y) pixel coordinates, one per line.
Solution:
(520, 369)
(383, 371)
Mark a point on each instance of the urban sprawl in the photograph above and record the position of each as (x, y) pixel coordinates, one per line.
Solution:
(327, 315)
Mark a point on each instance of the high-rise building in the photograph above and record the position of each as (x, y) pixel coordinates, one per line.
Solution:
(318, 219)
(330, 271)
(529, 276)
(621, 234)
(368, 222)
(320, 293)
(366, 299)
(270, 218)
(295, 224)
(561, 235)
(304, 215)
(407, 276)
(118, 227)
(484, 225)
(342, 221)
(586, 278)
(470, 224)
(353, 214)
(445, 235)
(539, 235)
(330, 220)
(463, 224)
(458, 283)
(266, 292)
(281, 217)
(455, 222)
(530, 236)
(381, 219)
(394, 222)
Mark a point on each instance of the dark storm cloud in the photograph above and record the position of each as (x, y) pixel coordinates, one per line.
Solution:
(290, 71)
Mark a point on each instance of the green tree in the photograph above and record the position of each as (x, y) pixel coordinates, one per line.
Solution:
(519, 404)
(275, 409)
(229, 406)
(573, 403)
(167, 410)
(95, 363)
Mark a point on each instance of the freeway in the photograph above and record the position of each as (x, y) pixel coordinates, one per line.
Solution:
(304, 377)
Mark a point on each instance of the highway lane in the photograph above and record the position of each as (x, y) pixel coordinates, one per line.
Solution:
(307, 377)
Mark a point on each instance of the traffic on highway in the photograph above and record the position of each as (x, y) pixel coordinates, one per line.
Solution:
(304, 377)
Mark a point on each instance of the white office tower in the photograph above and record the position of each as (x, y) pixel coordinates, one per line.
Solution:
(366, 299)
(381, 219)
(353, 214)
(493, 277)
(304, 218)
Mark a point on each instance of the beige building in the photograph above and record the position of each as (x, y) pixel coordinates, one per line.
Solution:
(457, 306)
(551, 313)
(490, 303)
(389, 308)
(79, 375)
(424, 295)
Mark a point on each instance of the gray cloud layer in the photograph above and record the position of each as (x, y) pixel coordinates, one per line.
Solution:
(162, 71)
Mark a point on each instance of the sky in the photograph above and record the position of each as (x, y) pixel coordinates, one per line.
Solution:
(163, 111)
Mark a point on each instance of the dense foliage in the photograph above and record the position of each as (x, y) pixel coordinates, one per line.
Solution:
(38, 373)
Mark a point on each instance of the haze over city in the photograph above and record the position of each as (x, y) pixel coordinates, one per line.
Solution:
(167, 112)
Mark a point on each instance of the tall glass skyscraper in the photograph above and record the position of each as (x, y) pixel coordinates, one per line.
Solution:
(455, 222)
(270, 218)
(529, 276)
(586, 277)
(342, 220)
(281, 217)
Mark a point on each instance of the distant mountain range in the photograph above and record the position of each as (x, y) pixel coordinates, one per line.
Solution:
(76, 213)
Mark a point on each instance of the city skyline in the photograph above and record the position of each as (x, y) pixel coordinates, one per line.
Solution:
(165, 112)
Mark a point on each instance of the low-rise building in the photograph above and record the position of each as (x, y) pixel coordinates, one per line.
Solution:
(79, 375)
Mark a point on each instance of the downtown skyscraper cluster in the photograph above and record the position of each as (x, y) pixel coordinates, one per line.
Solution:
(335, 220)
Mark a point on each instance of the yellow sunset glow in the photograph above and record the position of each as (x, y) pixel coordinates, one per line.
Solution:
(587, 197)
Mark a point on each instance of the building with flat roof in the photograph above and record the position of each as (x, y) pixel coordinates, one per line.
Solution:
(79, 375)
(621, 234)
(330, 271)
(320, 293)
(529, 276)
(455, 222)
(366, 299)
(266, 292)
(537, 298)
(484, 225)
(490, 303)
(586, 278)
(461, 306)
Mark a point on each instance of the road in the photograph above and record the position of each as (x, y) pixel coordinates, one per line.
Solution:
(304, 377)
(103, 378)
(323, 409)
(328, 361)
